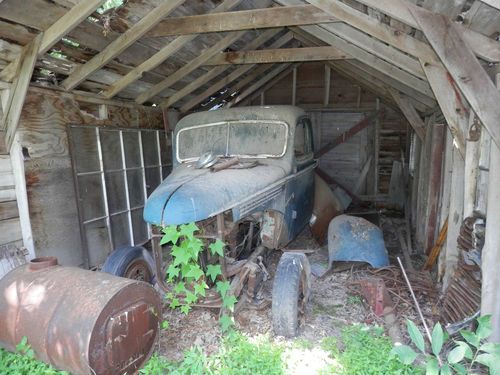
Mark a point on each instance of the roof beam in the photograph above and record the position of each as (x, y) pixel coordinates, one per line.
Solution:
(259, 83)
(121, 43)
(231, 77)
(410, 113)
(278, 56)
(58, 29)
(241, 20)
(12, 113)
(189, 67)
(465, 69)
(214, 72)
(401, 10)
(159, 57)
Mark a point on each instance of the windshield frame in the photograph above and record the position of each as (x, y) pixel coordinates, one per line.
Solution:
(229, 123)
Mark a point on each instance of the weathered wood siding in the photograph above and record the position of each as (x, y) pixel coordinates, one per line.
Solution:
(43, 135)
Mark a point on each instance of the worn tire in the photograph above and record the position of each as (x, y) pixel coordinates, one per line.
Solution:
(133, 262)
(290, 293)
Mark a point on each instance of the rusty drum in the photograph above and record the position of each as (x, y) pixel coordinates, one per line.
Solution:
(81, 321)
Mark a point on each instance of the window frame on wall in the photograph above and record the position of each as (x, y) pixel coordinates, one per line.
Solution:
(124, 168)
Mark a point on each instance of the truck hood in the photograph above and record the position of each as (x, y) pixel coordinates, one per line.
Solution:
(189, 194)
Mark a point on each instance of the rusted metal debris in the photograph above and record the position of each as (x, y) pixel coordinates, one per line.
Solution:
(376, 294)
(80, 321)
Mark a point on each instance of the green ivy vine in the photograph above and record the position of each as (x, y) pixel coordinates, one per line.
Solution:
(189, 279)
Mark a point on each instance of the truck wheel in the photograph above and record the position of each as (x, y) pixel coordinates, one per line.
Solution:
(131, 262)
(290, 293)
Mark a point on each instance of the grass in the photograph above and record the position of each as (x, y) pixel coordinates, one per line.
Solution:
(23, 363)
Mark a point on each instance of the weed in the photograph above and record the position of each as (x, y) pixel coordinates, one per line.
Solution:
(237, 355)
(23, 362)
(303, 343)
(366, 351)
(461, 359)
(354, 300)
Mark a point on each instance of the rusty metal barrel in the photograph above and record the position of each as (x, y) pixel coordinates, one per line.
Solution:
(80, 321)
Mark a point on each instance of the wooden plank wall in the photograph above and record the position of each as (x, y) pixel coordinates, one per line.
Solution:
(49, 176)
(347, 104)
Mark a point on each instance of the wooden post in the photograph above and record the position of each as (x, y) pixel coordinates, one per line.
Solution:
(490, 292)
(472, 153)
(423, 183)
(328, 73)
(294, 86)
(376, 149)
(436, 163)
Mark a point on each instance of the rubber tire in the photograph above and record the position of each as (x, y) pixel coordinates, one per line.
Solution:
(291, 283)
(119, 260)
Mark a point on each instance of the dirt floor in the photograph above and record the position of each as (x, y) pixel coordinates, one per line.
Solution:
(335, 302)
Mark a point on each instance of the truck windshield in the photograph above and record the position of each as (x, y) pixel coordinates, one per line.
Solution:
(256, 139)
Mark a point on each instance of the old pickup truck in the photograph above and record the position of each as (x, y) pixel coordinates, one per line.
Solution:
(246, 176)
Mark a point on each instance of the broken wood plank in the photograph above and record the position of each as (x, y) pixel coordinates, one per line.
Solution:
(231, 77)
(332, 181)
(214, 72)
(348, 134)
(120, 44)
(190, 66)
(410, 113)
(241, 20)
(467, 72)
(159, 57)
(433, 255)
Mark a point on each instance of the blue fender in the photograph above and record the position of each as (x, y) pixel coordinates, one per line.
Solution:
(354, 239)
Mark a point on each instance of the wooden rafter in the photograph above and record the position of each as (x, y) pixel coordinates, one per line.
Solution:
(121, 43)
(464, 68)
(20, 86)
(259, 83)
(231, 77)
(190, 66)
(410, 113)
(241, 20)
(214, 72)
(401, 10)
(278, 56)
(159, 57)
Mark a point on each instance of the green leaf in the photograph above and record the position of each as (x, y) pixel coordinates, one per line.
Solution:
(459, 369)
(226, 322)
(185, 309)
(415, 335)
(165, 324)
(217, 248)
(172, 272)
(213, 270)
(405, 354)
(432, 367)
(468, 350)
(180, 287)
(484, 328)
(171, 235)
(174, 304)
(194, 272)
(490, 347)
(180, 255)
(23, 344)
(437, 339)
(190, 297)
(470, 337)
(456, 354)
(445, 369)
(199, 289)
(187, 230)
(223, 287)
(228, 302)
(491, 361)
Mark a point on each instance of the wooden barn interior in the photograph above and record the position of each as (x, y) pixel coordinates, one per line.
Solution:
(403, 96)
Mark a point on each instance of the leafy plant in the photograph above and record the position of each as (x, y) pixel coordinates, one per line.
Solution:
(190, 280)
(364, 350)
(461, 359)
(23, 362)
(237, 355)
